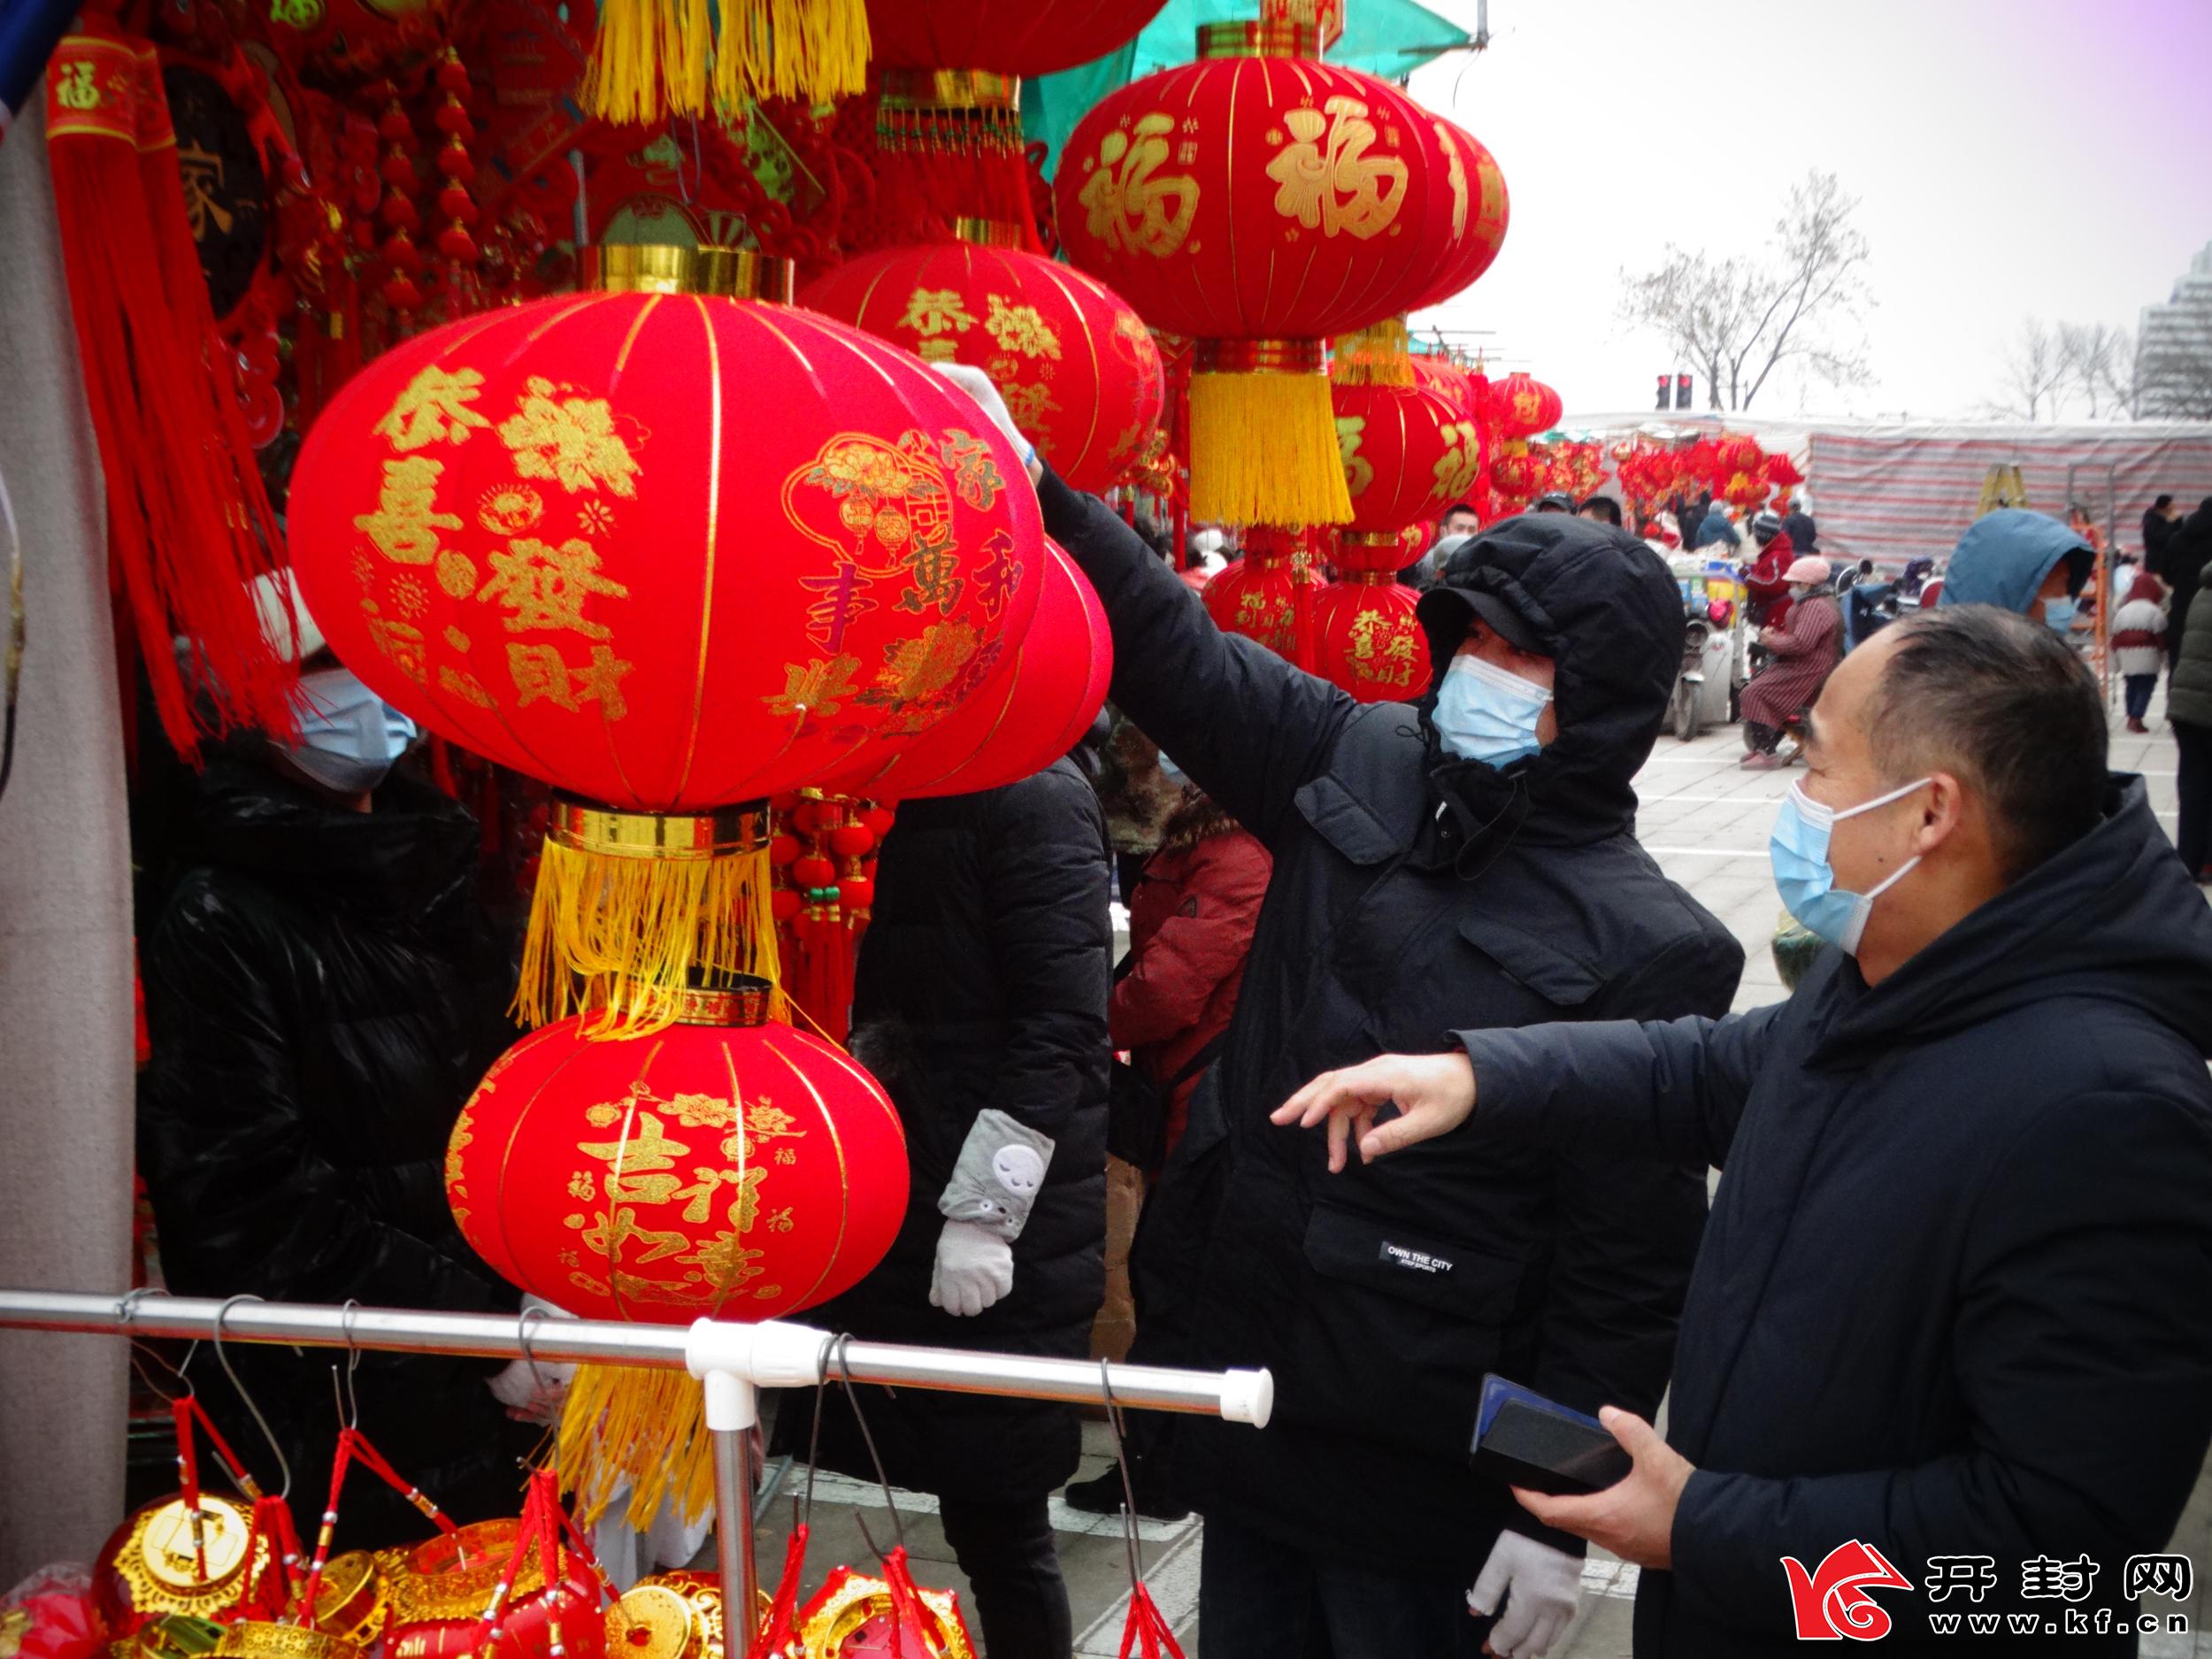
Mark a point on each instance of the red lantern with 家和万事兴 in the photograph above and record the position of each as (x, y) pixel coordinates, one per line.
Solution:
(1262, 203)
(670, 551)
(1078, 368)
(726, 1167)
(1028, 715)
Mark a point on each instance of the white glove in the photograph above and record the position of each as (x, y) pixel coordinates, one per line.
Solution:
(979, 386)
(1541, 1587)
(975, 1268)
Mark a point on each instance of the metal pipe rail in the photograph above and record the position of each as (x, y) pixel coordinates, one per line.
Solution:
(731, 1361)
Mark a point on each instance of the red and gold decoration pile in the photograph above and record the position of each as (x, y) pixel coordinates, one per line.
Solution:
(1262, 202)
(1077, 367)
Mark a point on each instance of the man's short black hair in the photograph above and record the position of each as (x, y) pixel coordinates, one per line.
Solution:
(2163, 501)
(1605, 508)
(2005, 705)
(1467, 507)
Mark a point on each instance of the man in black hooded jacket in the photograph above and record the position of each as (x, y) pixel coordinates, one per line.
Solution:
(1945, 1368)
(1408, 883)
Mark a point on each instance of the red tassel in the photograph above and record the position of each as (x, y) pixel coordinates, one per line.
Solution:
(188, 523)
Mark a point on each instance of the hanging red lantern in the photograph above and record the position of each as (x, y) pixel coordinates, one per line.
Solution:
(668, 551)
(1525, 405)
(1479, 212)
(1268, 594)
(1408, 454)
(1518, 473)
(1077, 367)
(1261, 202)
(726, 1167)
(1782, 473)
(1448, 379)
(1737, 452)
(1032, 712)
(1367, 640)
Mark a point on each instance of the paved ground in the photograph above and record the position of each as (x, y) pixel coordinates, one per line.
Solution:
(1706, 820)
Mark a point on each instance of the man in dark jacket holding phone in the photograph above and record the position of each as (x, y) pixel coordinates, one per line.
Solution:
(1945, 1368)
(1476, 850)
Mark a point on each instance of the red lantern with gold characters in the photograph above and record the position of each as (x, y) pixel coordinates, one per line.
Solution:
(1408, 454)
(1525, 405)
(1366, 638)
(668, 550)
(726, 1167)
(1268, 594)
(1077, 367)
(1479, 214)
(1261, 202)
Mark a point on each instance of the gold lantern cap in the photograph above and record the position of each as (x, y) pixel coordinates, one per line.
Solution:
(949, 89)
(738, 273)
(1251, 38)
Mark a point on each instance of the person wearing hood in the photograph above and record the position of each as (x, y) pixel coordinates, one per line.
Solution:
(1715, 530)
(1766, 575)
(1804, 648)
(2138, 644)
(322, 996)
(2020, 561)
(1945, 1352)
(1474, 851)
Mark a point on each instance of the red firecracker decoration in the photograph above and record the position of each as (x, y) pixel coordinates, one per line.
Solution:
(188, 520)
(1261, 202)
(1077, 367)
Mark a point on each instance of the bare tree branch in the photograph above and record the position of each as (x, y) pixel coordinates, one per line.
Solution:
(2036, 366)
(1736, 319)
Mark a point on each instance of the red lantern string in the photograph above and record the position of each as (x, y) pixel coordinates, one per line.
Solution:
(353, 1447)
(1147, 1629)
(273, 1586)
(777, 1637)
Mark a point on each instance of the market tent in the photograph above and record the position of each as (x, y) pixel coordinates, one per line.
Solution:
(1390, 38)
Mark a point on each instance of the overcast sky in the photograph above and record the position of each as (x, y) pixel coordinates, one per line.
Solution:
(2016, 157)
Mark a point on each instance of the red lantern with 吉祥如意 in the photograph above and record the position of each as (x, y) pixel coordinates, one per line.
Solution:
(670, 551)
(1262, 203)
(1077, 367)
(1028, 715)
(725, 1167)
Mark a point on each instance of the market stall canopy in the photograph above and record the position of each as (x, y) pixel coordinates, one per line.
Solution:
(1389, 38)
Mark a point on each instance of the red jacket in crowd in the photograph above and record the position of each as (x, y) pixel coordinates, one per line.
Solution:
(1190, 929)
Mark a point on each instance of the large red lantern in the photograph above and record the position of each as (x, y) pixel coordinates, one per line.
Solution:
(669, 551)
(1367, 641)
(1479, 212)
(1261, 202)
(1525, 405)
(1077, 367)
(724, 1167)
(1028, 715)
(1268, 594)
(1408, 454)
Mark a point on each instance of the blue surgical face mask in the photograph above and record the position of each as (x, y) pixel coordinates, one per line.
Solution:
(1807, 881)
(1484, 713)
(349, 737)
(2058, 614)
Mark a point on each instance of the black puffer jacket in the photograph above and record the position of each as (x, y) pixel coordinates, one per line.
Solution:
(1952, 1298)
(321, 1001)
(982, 982)
(1409, 892)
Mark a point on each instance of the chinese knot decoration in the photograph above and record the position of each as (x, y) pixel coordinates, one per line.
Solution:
(728, 1167)
(1078, 368)
(668, 551)
(1262, 202)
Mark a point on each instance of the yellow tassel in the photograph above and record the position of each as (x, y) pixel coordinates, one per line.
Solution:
(646, 1427)
(1380, 354)
(813, 50)
(616, 935)
(648, 61)
(687, 45)
(1264, 450)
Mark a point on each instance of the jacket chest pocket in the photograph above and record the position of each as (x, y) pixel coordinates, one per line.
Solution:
(1397, 1330)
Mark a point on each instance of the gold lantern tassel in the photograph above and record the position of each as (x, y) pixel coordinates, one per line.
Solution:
(646, 1427)
(1379, 355)
(1263, 435)
(648, 60)
(810, 49)
(633, 908)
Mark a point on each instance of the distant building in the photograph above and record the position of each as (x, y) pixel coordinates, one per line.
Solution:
(2173, 349)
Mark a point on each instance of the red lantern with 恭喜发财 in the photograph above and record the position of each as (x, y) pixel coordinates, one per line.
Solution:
(1262, 203)
(673, 552)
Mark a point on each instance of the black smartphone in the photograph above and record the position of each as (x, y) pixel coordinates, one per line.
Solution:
(1527, 1440)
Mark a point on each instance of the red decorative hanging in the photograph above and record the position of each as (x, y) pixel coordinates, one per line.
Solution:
(1268, 594)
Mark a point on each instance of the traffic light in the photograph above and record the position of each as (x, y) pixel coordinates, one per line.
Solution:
(1664, 382)
(1681, 391)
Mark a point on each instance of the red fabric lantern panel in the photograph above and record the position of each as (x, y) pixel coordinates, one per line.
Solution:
(1078, 368)
(1448, 379)
(1479, 211)
(1525, 405)
(740, 1171)
(1032, 712)
(1268, 594)
(1408, 453)
(666, 552)
(1367, 641)
(1013, 37)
